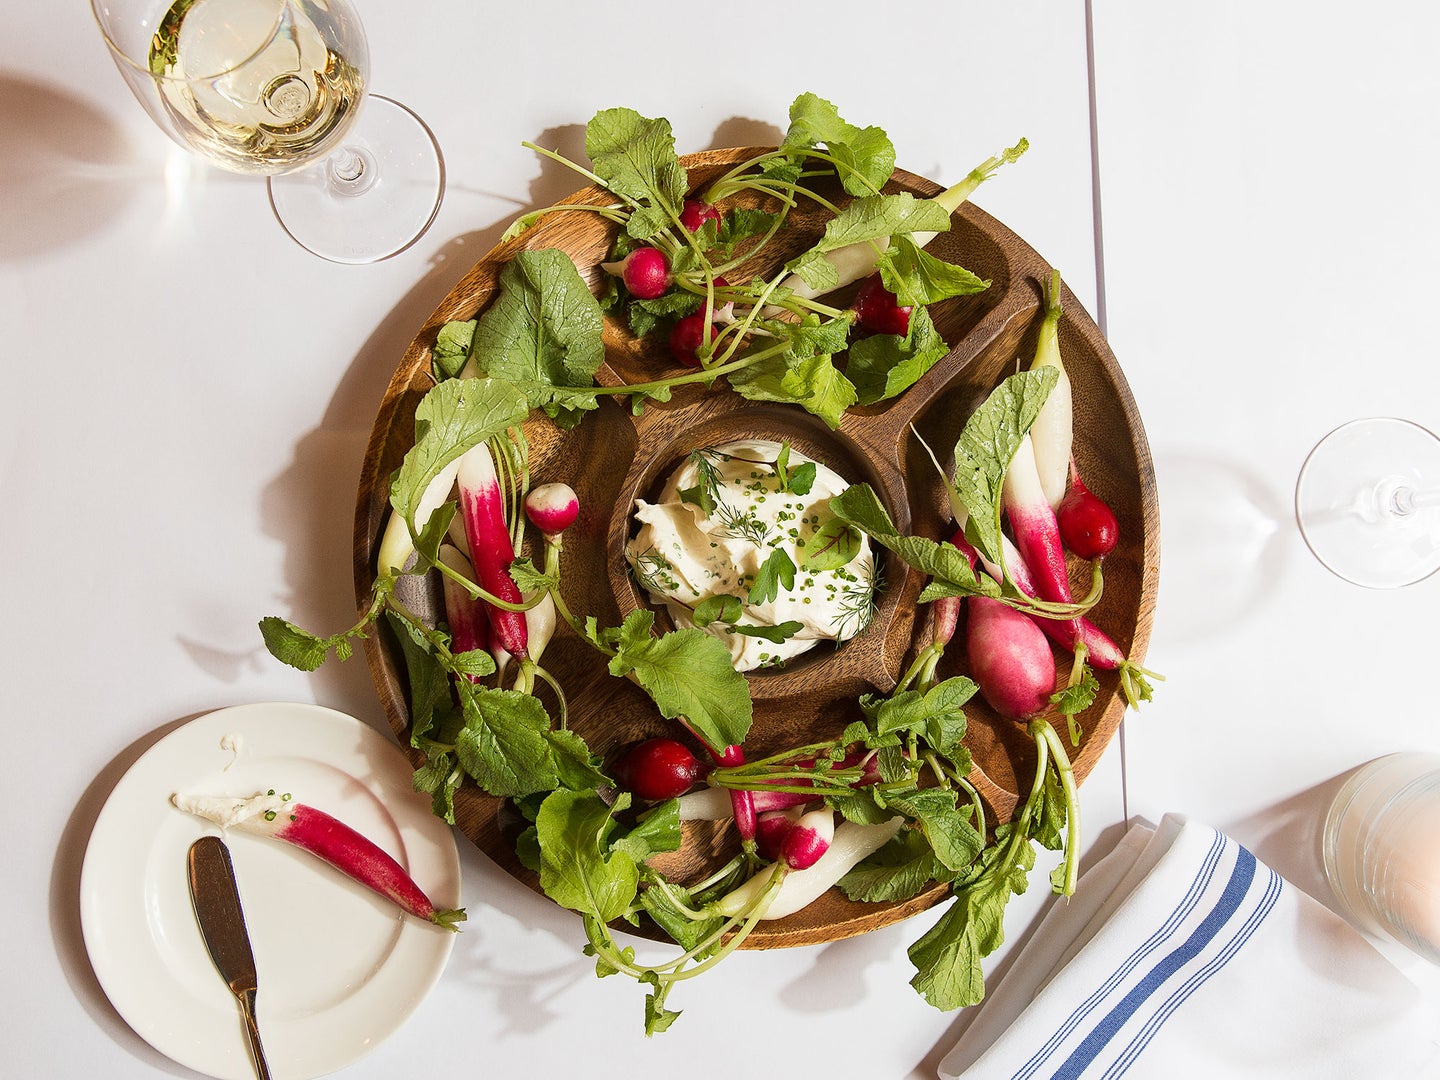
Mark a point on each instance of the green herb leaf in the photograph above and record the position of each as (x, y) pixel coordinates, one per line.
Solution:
(833, 545)
(579, 869)
(865, 156)
(452, 348)
(294, 645)
(777, 633)
(984, 450)
(451, 418)
(776, 573)
(900, 870)
(815, 384)
(917, 277)
(859, 506)
(542, 333)
(884, 366)
(636, 158)
(720, 608)
(503, 744)
(687, 673)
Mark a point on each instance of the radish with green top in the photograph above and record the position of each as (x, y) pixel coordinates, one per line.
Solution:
(1052, 434)
(645, 272)
(855, 261)
(797, 889)
(328, 839)
(657, 769)
(879, 311)
(1010, 658)
(552, 508)
(482, 509)
(695, 213)
(1087, 524)
(396, 545)
(466, 617)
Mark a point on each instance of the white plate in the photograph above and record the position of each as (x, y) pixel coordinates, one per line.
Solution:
(340, 969)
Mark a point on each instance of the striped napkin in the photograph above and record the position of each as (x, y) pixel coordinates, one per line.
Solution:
(1182, 955)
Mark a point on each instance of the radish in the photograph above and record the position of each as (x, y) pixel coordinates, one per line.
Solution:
(852, 842)
(552, 508)
(397, 545)
(645, 271)
(1037, 534)
(794, 838)
(688, 335)
(467, 618)
(658, 769)
(1052, 433)
(491, 548)
(695, 213)
(878, 310)
(715, 803)
(1009, 658)
(855, 261)
(325, 837)
(1087, 525)
(742, 803)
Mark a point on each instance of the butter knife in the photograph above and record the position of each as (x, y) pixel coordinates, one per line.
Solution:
(222, 925)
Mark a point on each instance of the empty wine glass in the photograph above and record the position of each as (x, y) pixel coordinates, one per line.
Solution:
(278, 88)
(1368, 502)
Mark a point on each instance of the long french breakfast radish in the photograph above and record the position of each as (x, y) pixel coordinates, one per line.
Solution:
(855, 261)
(1053, 433)
(1009, 658)
(329, 839)
(397, 545)
(482, 509)
(1037, 535)
(467, 618)
(852, 842)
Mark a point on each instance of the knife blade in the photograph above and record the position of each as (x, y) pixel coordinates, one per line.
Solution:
(216, 897)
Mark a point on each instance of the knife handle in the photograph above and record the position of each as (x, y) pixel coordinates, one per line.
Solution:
(252, 1033)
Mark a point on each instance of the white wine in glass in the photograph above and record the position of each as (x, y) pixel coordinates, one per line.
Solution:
(279, 88)
(1368, 502)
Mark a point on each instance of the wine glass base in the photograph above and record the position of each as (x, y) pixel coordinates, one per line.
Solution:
(364, 218)
(1344, 502)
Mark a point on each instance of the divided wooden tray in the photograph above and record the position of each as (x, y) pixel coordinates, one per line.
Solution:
(613, 457)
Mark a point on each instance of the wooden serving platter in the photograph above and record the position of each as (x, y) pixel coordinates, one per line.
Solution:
(613, 457)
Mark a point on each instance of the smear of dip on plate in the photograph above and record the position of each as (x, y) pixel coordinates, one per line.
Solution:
(715, 531)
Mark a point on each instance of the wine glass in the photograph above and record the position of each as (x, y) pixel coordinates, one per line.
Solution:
(278, 88)
(1368, 502)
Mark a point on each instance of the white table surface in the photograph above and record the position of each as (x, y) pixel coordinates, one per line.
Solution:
(188, 396)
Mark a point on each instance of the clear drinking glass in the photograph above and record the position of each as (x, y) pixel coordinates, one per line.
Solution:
(1381, 847)
(1368, 502)
(279, 88)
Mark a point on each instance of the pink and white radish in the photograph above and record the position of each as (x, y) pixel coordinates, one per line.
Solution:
(552, 508)
(793, 837)
(396, 545)
(1037, 534)
(1010, 658)
(1052, 434)
(851, 843)
(467, 618)
(328, 839)
(645, 272)
(482, 509)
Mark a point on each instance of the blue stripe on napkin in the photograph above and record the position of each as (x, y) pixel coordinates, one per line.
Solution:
(1152, 998)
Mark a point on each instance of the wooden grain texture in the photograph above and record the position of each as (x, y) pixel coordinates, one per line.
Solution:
(613, 457)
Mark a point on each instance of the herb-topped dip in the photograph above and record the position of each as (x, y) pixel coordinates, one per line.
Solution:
(741, 543)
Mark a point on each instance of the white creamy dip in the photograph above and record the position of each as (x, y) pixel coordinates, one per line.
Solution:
(682, 554)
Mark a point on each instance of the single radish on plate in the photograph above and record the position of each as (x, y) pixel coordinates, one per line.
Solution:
(327, 838)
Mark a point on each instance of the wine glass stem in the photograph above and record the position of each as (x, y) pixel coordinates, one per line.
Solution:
(351, 171)
(1402, 500)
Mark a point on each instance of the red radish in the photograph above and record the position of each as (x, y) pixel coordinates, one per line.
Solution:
(851, 843)
(552, 508)
(742, 803)
(658, 769)
(1052, 433)
(1036, 533)
(1087, 524)
(482, 509)
(695, 213)
(467, 618)
(1009, 659)
(794, 838)
(770, 829)
(878, 310)
(687, 335)
(645, 271)
(325, 837)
